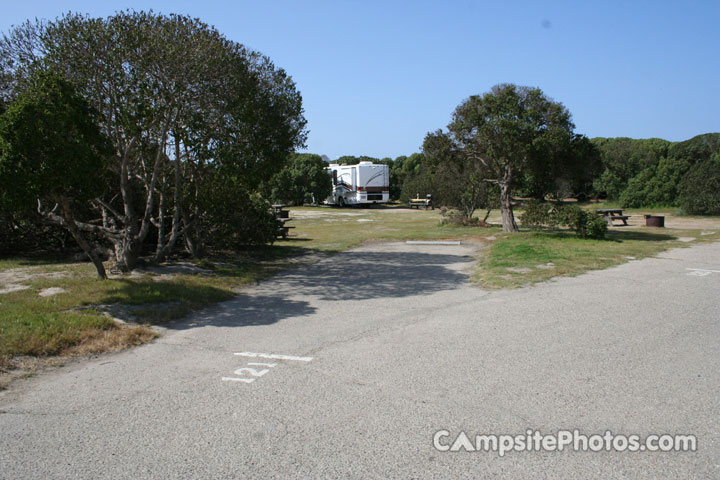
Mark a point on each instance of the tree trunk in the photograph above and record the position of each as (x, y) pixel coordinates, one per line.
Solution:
(126, 253)
(69, 221)
(165, 248)
(161, 220)
(506, 210)
(487, 214)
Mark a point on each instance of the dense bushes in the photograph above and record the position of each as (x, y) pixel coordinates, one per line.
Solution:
(585, 224)
(302, 180)
(700, 189)
(646, 173)
(656, 185)
(546, 215)
(622, 159)
(235, 218)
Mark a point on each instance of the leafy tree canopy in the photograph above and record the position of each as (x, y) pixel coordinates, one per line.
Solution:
(175, 96)
(52, 149)
(303, 180)
(495, 136)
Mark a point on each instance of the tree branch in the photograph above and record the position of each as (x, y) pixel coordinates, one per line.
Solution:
(86, 227)
(110, 209)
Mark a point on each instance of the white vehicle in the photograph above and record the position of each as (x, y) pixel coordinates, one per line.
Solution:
(361, 184)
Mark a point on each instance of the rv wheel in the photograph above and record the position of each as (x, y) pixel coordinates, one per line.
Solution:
(341, 202)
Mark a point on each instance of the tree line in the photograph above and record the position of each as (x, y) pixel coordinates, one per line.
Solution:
(516, 142)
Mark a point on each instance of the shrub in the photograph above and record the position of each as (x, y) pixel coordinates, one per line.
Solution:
(543, 215)
(539, 214)
(596, 226)
(700, 189)
(585, 224)
(234, 216)
(302, 180)
(458, 218)
(247, 220)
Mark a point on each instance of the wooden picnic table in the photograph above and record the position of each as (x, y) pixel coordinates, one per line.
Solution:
(282, 216)
(421, 202)
(611, 214)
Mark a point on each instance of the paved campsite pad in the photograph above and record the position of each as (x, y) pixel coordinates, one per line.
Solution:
(402, 345)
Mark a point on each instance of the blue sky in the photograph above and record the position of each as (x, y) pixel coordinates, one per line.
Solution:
(376, 76)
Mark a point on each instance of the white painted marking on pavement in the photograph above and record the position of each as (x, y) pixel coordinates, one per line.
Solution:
(252, 371)
(273, 356)
(233, 379)
(701, 272)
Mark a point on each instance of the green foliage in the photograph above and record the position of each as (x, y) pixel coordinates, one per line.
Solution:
(655, 186)
(563, 168)
(585, 224)
(402, 170)
(500, 136)
(176, 96)
(453, 181)
(700, 189)
(303, 179)
(646, 173)
(623, 158)
(353, 160)
(539, 214)
(234, 217)
(50, 146)
(697, 149)
(421, 183)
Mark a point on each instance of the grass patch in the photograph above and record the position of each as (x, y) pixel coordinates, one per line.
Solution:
(335, 230)
(43, 334)
(529, 257)
(70, 323)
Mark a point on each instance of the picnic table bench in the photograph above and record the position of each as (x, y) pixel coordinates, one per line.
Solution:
(611, 214)
(282, 216)
(421, 202)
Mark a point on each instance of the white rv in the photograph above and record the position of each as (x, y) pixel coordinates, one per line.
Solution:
(364, 183)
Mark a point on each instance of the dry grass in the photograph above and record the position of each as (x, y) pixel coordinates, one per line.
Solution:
(88, 342)
(113, 340)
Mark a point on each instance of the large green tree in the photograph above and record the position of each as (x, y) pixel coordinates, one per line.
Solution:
(495, 136)
(303, 178)
(52, 151)
(177, 100)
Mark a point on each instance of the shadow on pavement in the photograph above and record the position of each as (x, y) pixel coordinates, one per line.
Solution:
(345, 276)
(364, 275)
(245, 311)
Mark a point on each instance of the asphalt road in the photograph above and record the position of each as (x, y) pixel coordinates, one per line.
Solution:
(402, 345)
